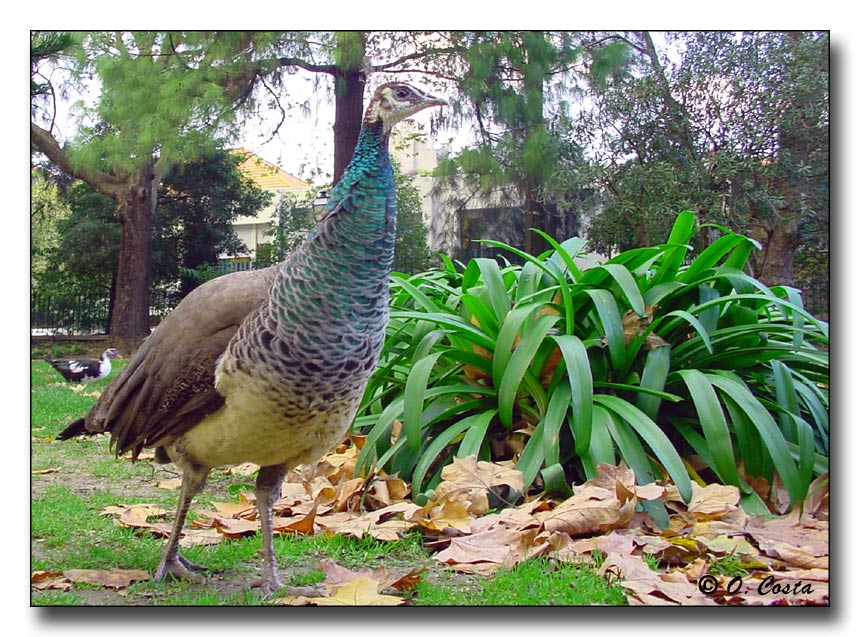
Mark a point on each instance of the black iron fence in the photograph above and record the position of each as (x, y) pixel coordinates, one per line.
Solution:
(53, 314)
(82, 313)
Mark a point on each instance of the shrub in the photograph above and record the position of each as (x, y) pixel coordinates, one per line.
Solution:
(680, 365)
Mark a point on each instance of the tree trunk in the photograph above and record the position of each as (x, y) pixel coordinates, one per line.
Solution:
(790, 185)
(135, 198)
(130, 315)
(536, 217)
(349, 81)
(348, 111)
(777, 264)
(534, 128)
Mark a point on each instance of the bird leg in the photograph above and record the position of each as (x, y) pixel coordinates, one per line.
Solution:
(269, 481)
(172, 563)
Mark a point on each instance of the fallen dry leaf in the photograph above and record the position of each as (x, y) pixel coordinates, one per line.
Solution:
(135, 515)
(112, 578)
(232, 528)
(171, 484)
(474, 473)
(240, 509)
(651, 588)
(348, 495)
(598, 520)
(438, 516)
(727, 545)
(713, 499)
(49, 580)
(385, 491)
(362, 591)
(802, 542)
(405, 582)
(390, 530)
(496, 546)
(474, 498)
(347, 588)
(200, 537)
(303, 525)
(356, 525)
(291, 493)
(590, 510)
(337, 575)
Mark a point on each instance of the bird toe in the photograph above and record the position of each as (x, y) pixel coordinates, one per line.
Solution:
(268, 585)
(179, 568)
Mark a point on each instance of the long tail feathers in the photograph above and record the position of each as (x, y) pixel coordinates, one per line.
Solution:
(77, 428)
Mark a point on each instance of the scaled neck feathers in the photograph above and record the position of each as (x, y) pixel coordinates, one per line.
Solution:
(348, 255)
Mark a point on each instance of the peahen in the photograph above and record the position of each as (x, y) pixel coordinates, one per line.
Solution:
(269, 366)
(84, 370)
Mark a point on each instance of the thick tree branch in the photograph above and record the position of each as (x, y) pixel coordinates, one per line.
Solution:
(104, 182)
(331, 69)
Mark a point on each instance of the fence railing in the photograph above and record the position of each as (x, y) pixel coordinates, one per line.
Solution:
(84, 313)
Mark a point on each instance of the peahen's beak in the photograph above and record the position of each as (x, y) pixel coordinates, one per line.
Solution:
(432, 100)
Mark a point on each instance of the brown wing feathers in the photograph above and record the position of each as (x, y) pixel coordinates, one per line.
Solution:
(169, 384)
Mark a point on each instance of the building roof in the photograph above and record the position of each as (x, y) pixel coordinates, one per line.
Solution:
(267, 176)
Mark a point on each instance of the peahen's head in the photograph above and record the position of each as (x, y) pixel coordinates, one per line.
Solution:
(396, 101)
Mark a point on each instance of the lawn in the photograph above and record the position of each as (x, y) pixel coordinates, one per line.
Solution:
(74, 482)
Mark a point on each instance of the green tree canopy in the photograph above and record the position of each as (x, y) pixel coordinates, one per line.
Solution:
(197, 204)
(735, 127)
(519, 87)
(162, 97)
(411, 253)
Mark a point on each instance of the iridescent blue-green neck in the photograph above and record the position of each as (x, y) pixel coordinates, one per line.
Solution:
(370, 166)
(345, 264)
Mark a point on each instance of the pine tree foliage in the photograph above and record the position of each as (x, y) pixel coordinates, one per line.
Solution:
(520, 88)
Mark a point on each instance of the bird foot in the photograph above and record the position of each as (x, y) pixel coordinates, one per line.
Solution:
(269, 584)
(179, 568)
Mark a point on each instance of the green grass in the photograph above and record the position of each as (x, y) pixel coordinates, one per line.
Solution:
(54, 404)
(68, 531)
(536, 582)
(729, 565)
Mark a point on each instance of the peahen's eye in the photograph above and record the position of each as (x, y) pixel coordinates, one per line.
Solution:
(401, 93)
